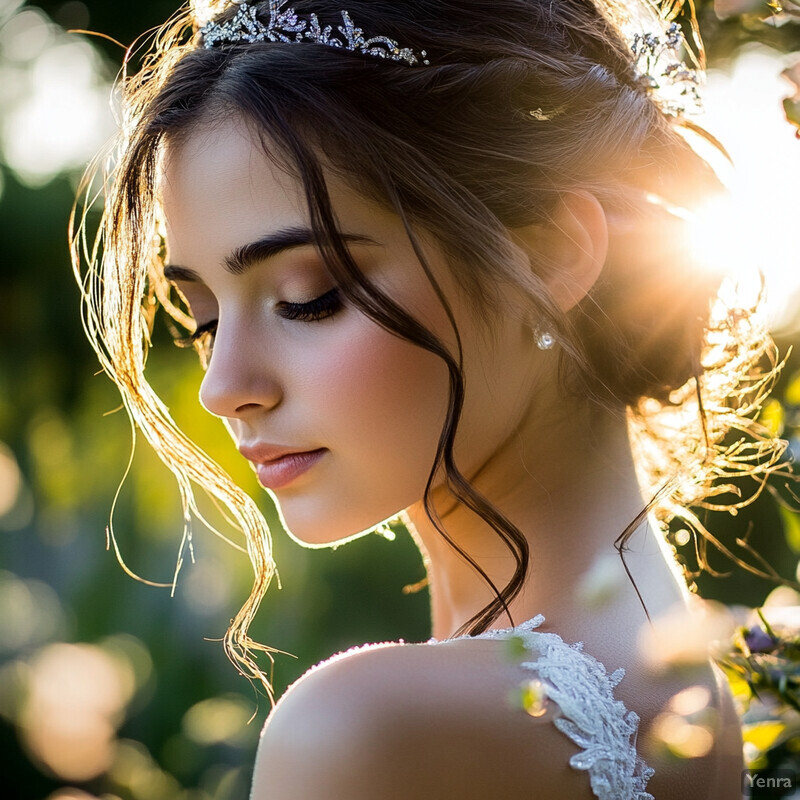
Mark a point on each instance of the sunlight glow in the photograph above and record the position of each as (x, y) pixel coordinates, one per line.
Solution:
(54, 96)
(754, 228)
(681, 638)
(205, 10)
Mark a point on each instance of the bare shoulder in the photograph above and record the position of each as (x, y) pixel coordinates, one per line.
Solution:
(398, 721)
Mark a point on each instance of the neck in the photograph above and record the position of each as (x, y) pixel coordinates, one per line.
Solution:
(570, 487)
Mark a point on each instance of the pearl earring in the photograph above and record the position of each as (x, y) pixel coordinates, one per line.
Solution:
(544, 339)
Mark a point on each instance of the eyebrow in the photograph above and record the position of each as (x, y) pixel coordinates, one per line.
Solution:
(260, 250)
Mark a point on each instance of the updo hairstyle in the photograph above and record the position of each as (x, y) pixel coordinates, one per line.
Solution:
(522, 102)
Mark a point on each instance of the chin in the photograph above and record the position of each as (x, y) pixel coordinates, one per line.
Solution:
(318, 530)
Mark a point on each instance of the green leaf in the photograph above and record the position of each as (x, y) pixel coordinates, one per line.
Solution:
(515, 647)
(791, 528)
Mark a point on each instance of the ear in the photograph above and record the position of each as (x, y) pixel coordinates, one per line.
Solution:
(572, 245)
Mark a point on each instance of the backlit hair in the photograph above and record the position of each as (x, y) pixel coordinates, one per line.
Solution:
(455, 149)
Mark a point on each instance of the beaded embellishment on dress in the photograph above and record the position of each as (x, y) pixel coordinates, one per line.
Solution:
(590, 715)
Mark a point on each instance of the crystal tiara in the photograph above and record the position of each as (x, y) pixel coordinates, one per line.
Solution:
(285, 26)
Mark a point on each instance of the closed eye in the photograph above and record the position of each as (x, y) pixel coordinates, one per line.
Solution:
(325, 305)
(319, 308)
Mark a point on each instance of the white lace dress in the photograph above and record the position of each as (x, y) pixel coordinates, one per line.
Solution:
(590, 715)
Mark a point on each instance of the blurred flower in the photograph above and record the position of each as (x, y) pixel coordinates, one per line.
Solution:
(73, 14)
(758, 640)
(772, 12)
(763, 668)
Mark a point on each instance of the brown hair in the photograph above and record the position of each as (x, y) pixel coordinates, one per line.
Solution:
(454, 149)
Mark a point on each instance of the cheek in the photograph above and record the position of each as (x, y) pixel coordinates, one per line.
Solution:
(378, 404)
(386, 394)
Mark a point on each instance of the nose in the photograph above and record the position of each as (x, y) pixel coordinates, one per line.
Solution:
(238, 382)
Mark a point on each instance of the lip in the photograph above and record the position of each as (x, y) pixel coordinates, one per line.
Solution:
(278, 466)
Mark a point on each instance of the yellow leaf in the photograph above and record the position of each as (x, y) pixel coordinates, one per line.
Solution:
(793, 391)
(739, 686)
(763, 735)
(771, 416)
(515, 647)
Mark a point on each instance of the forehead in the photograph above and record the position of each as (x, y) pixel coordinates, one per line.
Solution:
(220, 190)
(220, 178)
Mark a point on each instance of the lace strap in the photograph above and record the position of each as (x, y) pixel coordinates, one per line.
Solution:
(590, 715)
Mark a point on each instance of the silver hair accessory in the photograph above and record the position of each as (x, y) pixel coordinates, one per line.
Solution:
(658, 47)
(544, 339)
(285, 26)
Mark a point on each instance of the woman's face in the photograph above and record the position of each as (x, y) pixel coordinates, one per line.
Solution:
(325, 377)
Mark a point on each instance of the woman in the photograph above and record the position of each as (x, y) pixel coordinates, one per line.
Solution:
(430, 253)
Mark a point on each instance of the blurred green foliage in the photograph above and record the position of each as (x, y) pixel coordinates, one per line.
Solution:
(172, 715)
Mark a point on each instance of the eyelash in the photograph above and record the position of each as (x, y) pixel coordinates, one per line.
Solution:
(319, 308)
(325, 305)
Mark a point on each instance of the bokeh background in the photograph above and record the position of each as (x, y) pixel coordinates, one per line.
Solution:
(111, 688)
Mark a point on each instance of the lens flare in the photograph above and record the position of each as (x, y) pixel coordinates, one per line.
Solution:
(754, 228)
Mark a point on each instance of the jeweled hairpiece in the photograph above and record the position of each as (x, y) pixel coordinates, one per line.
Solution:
(284, 25)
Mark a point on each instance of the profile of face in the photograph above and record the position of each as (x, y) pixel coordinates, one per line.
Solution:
(296, 366)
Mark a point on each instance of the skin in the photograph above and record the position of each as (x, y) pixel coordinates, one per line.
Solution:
(559, 469)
